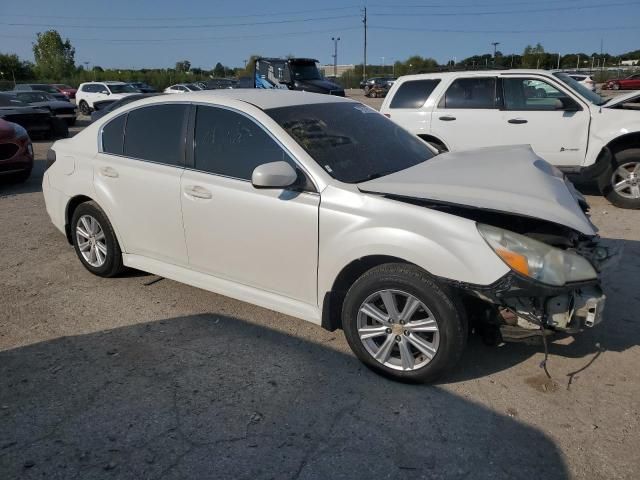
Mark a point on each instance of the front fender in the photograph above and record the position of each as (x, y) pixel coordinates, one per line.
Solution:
(356, 225)
(608, 125)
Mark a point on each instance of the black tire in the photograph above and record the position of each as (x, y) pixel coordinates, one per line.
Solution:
(59, 128)
(605, 181)
(373, 94)
(112, 265)
(366, 89)
(84, 108)
(71, 121)
(446, 308)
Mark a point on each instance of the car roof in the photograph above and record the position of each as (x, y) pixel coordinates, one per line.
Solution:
(261, 98)
(477, 73)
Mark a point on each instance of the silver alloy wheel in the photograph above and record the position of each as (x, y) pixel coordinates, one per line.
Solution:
(398, 330)
(91, 241)
(626, 180)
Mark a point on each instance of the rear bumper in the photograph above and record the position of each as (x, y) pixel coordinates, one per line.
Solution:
(55, 202)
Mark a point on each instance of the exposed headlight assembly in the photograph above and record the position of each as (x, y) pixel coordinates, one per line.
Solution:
(535, 259)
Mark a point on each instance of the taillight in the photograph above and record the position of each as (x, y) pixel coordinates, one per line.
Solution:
(51, 158)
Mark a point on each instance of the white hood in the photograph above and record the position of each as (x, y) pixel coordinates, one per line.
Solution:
(617, 100)
(508, 179)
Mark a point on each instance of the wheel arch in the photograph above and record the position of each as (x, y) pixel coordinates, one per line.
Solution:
(73, 204)
(334, 298)
(622, 142)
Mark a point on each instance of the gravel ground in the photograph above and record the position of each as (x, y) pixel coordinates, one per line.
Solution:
(124, 378)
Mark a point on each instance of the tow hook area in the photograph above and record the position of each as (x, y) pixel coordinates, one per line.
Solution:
(580, 308)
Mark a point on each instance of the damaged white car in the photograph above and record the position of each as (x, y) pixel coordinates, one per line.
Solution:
(321, 208)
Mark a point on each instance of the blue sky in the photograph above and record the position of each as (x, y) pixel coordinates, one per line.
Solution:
(137, 33)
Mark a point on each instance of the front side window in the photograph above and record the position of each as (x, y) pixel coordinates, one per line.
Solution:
(579, 88)
(413, 94)
(471, 93)
(230, 144)
(532, 94)
(351, 142)
(156, 133)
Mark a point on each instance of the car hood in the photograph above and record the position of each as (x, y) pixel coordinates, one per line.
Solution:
(320, 85)
(617, 100)
(510, 179)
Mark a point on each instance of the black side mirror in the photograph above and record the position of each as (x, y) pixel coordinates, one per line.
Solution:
(570, 105)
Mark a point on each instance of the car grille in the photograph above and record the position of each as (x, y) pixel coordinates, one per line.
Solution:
(8, 150)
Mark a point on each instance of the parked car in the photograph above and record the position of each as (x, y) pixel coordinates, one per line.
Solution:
(102, 110)
(300, 74)
(220, 83)
(631, 82)
(67, 90)
(91, 92)
(565, 123)
(16, 152)
(379, 81)
(42, 87)
(60, 109)
(143, 87)
(377, 90)
(182, 88)
(586, 80)
(38, 122)
(319, 207)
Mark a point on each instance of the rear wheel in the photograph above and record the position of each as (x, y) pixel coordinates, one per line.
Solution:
(620, 183)
(373, 94)
(84, 108)
(95, 241)
(401, 324)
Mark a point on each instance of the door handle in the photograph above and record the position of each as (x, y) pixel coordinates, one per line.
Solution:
(108, 172)
(517, 121)
(447, 118)
(197, 191)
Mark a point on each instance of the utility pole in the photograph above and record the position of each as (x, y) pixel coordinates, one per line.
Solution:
(495, 46)
(558, 62)
(364, 64)
(382, 65)
(578, 62)
(335, 55)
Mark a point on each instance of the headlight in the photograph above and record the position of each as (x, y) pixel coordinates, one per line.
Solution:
(535, 259)
(20, 131)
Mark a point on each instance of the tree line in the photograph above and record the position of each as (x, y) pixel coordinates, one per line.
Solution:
(55, 63)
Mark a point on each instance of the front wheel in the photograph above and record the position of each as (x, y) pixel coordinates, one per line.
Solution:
(616, 86)
(400, 323)
(620, 183)
(84, 108)
(95, 241)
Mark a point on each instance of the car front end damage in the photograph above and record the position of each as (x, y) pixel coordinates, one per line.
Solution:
(518, 306)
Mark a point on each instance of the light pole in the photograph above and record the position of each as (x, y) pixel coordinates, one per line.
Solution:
(335, 55)
(382, 65)
(495, 49)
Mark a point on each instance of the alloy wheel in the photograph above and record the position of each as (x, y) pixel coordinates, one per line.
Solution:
(626, 180)
(398, 330)
(91, 241)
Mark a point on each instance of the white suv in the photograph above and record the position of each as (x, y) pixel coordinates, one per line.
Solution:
(91, 92)
(321, 208)
(564, 122)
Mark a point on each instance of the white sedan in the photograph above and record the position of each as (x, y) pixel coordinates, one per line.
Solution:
(183, 88)
(321, 208)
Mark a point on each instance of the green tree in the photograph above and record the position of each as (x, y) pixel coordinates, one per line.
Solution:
(11, 67)
(218, 70)
(54, 57)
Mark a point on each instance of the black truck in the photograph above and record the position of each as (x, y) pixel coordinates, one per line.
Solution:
(293, 73)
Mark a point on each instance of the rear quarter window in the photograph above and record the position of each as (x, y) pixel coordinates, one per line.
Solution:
(113, 135)
(413, 94)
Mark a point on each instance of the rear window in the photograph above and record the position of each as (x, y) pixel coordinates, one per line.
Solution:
(471, 93)
(413, 94)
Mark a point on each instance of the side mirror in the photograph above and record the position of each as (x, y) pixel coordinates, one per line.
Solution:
(274, 175)
(106, 92)
(569, 104)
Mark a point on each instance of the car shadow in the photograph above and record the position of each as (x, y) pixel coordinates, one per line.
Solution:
(211, 396)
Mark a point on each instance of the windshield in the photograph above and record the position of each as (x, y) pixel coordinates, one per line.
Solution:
(122, 89)
(11, 101)
(581, 89)
(351, 141)
(305, 71)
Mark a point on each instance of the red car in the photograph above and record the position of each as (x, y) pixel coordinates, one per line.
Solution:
(16, 152)
(68, 91)
(629, 83)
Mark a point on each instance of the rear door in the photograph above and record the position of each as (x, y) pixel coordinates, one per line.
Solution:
(467, 114)
(408, 106)
(137, 180)
(539, 113)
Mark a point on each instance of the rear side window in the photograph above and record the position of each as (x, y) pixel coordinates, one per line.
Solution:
(230, 144)
(113, 135)
(156, 133)
(413, 94)
(470, 93)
